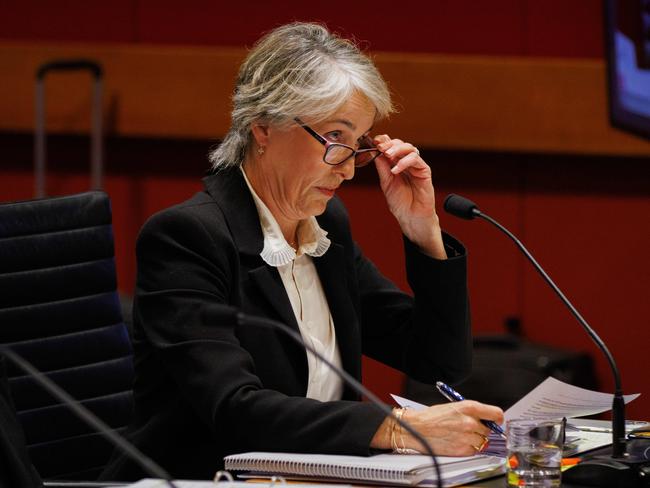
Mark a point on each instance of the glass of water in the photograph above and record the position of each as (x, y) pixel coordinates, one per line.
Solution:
(534, 452)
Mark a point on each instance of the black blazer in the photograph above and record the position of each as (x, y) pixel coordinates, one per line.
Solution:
(206, 387)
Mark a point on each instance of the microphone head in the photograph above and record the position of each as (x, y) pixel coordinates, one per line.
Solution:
(460, 207)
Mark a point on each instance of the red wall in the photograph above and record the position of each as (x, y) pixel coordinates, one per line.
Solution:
(585, 218)
(499, 27)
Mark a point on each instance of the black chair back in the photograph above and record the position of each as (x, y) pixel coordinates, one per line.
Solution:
(60, 310)
(17, 469)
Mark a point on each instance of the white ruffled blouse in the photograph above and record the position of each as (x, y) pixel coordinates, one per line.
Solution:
(305, 293)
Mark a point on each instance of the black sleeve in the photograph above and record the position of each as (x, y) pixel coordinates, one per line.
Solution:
(187, 268)
(427, 335)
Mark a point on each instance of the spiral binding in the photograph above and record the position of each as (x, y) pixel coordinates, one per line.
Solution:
(225, 479)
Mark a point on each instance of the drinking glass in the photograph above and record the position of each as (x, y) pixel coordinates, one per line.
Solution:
(534, 452)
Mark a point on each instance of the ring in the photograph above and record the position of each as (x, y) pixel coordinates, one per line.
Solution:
(483, 444)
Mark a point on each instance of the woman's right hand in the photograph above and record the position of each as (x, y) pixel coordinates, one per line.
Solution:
(452, 429)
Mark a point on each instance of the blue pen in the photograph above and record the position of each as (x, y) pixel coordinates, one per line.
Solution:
(453, 396)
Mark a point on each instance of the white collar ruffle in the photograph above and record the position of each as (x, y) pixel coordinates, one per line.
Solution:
(312, 239)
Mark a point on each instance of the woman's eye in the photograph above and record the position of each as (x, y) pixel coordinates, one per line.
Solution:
(334, 136)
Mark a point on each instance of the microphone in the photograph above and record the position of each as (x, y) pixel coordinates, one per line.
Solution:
(349, 380)
(460, 207)
(88, 417)
(601, 470)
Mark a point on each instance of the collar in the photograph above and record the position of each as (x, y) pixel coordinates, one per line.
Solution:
(312, 240)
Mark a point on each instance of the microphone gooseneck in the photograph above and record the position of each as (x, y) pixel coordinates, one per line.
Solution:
(457, 205)
(87, 416)
(463, 208)
(618, 406)
(349, 380)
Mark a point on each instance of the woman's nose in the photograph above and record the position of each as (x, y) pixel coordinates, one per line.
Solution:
(345, 169)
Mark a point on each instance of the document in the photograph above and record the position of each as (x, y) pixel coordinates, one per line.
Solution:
(551, 399)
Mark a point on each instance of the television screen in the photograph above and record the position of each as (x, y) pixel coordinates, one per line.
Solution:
(628, 64)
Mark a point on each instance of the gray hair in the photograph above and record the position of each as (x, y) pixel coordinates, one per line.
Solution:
(297, 70)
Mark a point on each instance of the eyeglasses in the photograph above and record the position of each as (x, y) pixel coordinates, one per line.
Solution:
(336, 153)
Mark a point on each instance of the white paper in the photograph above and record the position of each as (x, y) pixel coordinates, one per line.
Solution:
(551, 399)
(405, 402)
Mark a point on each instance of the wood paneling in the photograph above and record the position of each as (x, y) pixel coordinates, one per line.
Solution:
(149, 91)
(456, 102)
(505, 104)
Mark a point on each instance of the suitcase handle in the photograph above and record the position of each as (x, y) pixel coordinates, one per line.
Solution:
(96, 146)
(70, 65)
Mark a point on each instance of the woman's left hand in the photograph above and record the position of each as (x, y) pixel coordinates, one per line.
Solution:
(406, 182)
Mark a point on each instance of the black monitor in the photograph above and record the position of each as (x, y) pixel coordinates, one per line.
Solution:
(627, 30)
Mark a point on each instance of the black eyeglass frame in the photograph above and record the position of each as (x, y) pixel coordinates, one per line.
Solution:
(329, 145)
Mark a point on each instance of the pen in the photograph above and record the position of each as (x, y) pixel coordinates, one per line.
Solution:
(453, 396)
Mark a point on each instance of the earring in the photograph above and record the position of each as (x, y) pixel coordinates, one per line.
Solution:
(260, 150)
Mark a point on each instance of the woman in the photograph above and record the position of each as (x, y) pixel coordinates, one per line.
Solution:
(268, 237)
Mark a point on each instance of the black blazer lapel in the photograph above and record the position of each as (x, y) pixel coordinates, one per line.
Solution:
(231, 193)
(229, 190)
(269, 284)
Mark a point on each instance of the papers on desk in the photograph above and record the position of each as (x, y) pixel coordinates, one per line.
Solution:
(576, 442)
(553, 399)
(394, 469)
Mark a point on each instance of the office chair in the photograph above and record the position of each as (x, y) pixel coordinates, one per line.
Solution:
(60, 310)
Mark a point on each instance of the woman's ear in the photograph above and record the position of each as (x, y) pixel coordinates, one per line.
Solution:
(260, 133)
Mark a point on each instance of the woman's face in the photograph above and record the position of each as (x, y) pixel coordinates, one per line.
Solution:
(291, 177)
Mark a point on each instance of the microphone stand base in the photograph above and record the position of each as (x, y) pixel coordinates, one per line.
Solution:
(609, 472)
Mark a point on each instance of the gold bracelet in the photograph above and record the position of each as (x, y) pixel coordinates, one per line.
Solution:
(393, 426)
(398, 413)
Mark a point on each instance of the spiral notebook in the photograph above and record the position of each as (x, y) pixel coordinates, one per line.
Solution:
(396, 469)
(158, 483)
